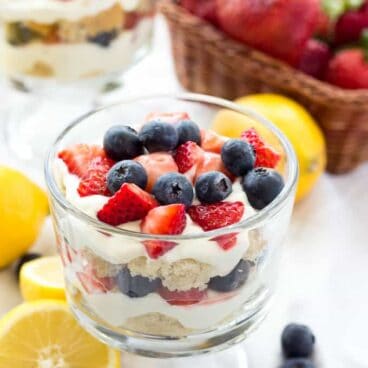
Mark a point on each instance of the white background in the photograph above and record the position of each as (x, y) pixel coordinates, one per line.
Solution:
(324, 277)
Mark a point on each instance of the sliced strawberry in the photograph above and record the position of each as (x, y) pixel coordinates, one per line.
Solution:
(165, 220)
(214, 216)
(157, 248)
(226, 241)
(79, 157)
(94, 285)
(157, 164)
(95, 181)
(212, 162)
(188, 156)
(266, 156)
(189, 297)
(168, 117)
(129, 203)
(212, 142)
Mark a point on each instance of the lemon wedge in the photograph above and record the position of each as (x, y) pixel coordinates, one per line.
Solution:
(44, 334)
(42, 279)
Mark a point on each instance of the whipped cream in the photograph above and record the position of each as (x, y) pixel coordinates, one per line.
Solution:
(121, 249)
(51, 11)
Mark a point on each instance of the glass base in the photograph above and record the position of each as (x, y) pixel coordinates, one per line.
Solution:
(234, 357)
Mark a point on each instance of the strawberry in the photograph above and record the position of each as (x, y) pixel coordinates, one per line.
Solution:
(218, 215)
(212, 162)
(280, 28)
(189, 297)
(188, 156)
(78, 158)
(315, 59)
(95, 181)
(163, 220)
(156, 164)
(205, 9)
(226, 241)
(93, 284)
(348, 69)
(129, 203)
(212, 142)
(266, 156)
(168, 117)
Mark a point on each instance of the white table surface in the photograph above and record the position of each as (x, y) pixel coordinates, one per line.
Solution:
(324, 277)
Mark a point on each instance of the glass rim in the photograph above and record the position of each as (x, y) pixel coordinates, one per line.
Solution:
(259, 217)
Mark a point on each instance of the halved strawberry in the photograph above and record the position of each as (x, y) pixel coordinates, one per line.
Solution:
(217, 215)
(212, 162)
(226, 241)
(129, 203)
(266, 156)
(79, 157)
(163, 220)
(95, 181)
(168, 117)
(189, 297)
(188, 156)
(156, 165)
(211, 141)
(93, 284)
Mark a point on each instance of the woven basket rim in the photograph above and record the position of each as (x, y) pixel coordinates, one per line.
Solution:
(315, 89)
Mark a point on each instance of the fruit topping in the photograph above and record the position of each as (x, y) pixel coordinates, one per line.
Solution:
(213, 187)
(189, 297)
(159, 136)
(122, 143)
(156, 165)
(126, 171)
(103, 39)
(157, 248)
(167, 117)
(262, 186)
(78, 158)
(188, 130)
(212, 142)
(218, 215)
(238, 156)
(298, 363)
(95, 182)
(226, 241)
(165, 220)
(188, 156)
(234, 280)
(173, 188)
(266, 156)
(136, 286)
(212, 162)
(129, 203)
(297, 341)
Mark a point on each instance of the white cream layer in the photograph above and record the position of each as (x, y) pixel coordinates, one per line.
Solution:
(51, 11)
(121, 249)
(71, 62)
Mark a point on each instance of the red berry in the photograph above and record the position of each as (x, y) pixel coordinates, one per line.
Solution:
(93, 284)
(168, 117)
(218, 215)
(205, 9)
(348, 69)
(78, 158)
(212, 142)
(129, 203)
(350, 26)
(212, 162)
(157, 248)
(226, 241)
(188, 155)
(189, 297)
(266, 156)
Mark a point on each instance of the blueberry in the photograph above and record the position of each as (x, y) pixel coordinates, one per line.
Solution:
(262, 186)
(103, 38)
(297, 341)
(159, 136)
(188, 131)
(298, 363)
(24, 259)
(136, 286)
(126, 171)
(234, 280)
(238, 156)
(173, 188)
(122, 143)
(213, 187)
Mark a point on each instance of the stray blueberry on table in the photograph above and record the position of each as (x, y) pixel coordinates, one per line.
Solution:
(297, 341)
(188, 131)
(213, 187)
(159, 136)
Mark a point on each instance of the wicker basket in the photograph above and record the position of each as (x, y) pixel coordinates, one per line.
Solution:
(208, 61)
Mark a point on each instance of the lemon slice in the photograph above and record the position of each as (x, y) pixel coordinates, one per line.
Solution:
(44, 334)
(42, 279)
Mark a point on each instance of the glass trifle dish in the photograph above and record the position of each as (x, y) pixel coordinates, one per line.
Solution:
(170, 234)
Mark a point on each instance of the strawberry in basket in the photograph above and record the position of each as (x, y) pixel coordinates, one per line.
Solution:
(205, 9)
(281, 28)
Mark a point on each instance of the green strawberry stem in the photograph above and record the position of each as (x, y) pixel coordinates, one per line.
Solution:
(335, 8)
(364, 43)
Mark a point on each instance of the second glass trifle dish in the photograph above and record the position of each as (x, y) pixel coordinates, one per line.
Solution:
(170, 234)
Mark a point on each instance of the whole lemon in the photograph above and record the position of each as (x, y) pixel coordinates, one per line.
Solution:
(23, 208)
(293, 120)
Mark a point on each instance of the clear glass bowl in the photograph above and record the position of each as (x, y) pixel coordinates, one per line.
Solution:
(72, 41)
(100, 260)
